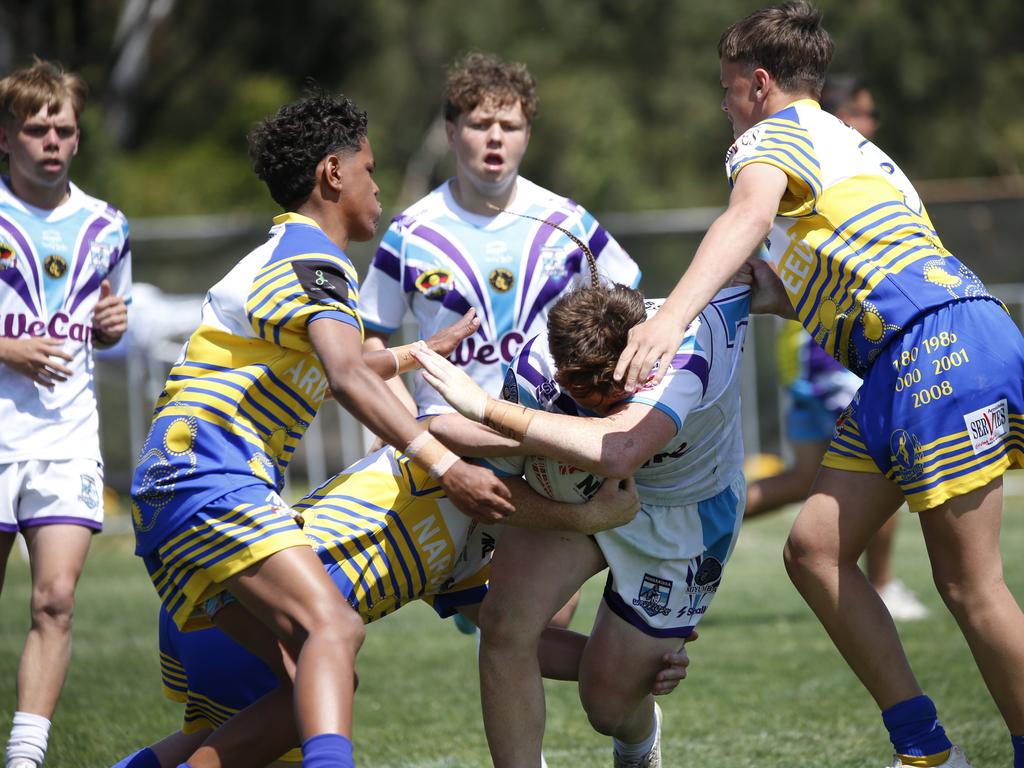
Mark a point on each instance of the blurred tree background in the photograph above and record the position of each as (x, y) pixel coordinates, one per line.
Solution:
(629, 117)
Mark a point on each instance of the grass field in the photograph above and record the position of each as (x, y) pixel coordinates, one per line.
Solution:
(766, 687)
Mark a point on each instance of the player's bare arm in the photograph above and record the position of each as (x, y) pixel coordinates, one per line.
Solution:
(388, 362)
(474, 490)
(729, 242)
(470, 438)
(613, 446)
(615, 504)
(768, 294)
(109, 317)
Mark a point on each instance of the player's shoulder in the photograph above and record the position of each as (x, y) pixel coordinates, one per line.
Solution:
(430, 208)
(531, 195)
(96, 206)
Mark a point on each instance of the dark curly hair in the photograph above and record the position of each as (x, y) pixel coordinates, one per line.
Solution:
(285, 149)
(788, 41)
(478, 78)
(587, 330)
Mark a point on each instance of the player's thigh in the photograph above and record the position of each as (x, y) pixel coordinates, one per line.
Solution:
(6, 545)
(962, 537)
(290, 593)
(245, 629)
(841, 514)
(620, 662)
(56, 556)
(534, 573)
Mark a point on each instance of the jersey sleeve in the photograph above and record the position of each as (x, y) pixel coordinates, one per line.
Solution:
(682, 388)
(287, 294)
(782, 142)
(613, 262)
(120, 267)
(383, 301)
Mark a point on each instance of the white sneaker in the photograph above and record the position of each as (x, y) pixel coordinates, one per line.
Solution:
(22, 762)
(653, 758)
(956, 759)
(903, 604)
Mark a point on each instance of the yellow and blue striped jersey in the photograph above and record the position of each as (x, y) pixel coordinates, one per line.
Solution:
(247, 383)
(852, 240)
(387, 535)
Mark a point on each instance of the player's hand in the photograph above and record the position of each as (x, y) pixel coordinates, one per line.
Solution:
(674, 670)
(653, 341)
(768, 294)
(462, 393)
(109, 316)
(447, 339)
(615, 503)
(37, 357)
(477, 493)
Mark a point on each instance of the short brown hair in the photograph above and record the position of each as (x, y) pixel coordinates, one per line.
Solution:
(478, 78)
(788, 41)
(44, 84)
(588, 329)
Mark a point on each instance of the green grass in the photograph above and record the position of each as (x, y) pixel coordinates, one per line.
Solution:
(766, 687)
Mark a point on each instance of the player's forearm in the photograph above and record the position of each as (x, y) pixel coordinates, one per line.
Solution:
(469, 438)
(536, 511)
(729, 242)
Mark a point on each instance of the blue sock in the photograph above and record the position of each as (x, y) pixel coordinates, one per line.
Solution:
(328, 750)
(914, 728)
(1018, 751)
(144, 758)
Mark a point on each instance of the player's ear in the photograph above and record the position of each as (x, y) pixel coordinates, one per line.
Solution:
(761, 80)
(329, 172)
(449, 132)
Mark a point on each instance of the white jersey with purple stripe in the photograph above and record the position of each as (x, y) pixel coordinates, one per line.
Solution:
(51, 266)
(437, 260)
(700, 393)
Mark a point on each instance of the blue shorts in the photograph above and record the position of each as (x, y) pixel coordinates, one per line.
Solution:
(941, 411)
(212, 675)
(228, 535)
(809, 420)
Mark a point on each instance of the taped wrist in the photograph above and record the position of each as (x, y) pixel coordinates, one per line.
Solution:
(428, 453)
(404, 361)
(507, 418)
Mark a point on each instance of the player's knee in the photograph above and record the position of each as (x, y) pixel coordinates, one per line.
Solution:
(800, 557)
(53, 604)
(501, 627)
(604, 712)
(344, 629)
(964, 594)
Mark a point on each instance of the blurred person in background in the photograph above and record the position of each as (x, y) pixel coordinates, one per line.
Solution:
(457, 248)
(65, 280)
(819, 388)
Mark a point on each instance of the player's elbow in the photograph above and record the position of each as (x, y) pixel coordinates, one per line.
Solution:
(621, 461)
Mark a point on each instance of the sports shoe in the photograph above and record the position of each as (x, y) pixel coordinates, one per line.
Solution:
(653, 758)
(956, 759)
(903, 604)
(22, 762)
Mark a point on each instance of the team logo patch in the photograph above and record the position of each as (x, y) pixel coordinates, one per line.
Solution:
(509, 388)
(906, 455)
(654, 595)
(552, 263)
(8, 258)
(987, 426)
(502, 280)
(435, 283)
(705, 577)
(99, 256)
(89, 495)
(55, 266)
(322, 280)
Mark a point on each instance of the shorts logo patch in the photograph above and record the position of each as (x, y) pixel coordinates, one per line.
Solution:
(906, 455)
(435, 284)
(706, 577)
(322, 280)
(987, 426)
(502, 280)
(55, 266)
(89, 495)
(654, 595)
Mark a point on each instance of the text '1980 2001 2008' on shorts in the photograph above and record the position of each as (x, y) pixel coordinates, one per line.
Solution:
(940, 411)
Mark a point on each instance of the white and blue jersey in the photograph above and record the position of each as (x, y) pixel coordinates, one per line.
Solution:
(51, 265)
(666, 564)
(437, 260)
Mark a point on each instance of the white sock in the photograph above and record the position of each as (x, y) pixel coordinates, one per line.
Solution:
(29, 734)
(636, 751)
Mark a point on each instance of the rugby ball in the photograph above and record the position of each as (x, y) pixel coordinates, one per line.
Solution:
(559, 481)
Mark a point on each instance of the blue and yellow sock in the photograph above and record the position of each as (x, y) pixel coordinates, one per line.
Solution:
(144, 758)
(1018, 750)
(916, 733)
(328, 750)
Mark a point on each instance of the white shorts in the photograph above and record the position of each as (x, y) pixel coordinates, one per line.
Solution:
(36, 492)
(665, 566)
